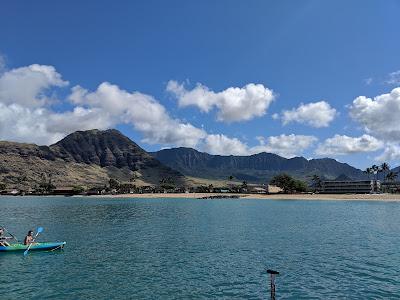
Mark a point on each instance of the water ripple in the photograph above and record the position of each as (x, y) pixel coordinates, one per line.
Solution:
(188, 249)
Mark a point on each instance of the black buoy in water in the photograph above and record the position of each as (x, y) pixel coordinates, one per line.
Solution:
(272, 282)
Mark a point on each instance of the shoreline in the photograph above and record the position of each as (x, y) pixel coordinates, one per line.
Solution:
(227, 196)
(325, 197)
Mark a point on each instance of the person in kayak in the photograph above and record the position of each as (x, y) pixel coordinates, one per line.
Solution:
(29, 238)
(3, 238)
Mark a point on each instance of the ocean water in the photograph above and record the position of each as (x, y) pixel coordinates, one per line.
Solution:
(203, 249)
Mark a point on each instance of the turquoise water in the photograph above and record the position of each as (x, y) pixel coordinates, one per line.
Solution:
(199, 249)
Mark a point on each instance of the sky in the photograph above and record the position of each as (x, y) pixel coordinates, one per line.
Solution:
(296, 78)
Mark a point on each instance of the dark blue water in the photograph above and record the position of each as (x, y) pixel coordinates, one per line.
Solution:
(199, 249)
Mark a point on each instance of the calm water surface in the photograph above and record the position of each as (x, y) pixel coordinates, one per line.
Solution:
(203, 249)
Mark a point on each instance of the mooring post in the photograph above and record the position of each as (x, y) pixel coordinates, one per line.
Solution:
(272, 282)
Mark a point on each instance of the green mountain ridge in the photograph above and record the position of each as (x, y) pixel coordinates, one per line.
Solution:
(92, 157)
(258, 168)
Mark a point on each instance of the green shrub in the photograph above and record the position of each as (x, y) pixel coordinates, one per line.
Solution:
(288, 184)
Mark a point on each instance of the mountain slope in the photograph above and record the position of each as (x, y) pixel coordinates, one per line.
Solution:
(254, 168)
(112, 150)
(25, 165)
(83, 157)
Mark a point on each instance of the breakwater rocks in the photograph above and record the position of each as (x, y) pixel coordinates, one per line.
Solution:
(220, 197)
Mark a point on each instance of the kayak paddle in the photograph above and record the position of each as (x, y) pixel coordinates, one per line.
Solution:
(9, 233)
(39, 230)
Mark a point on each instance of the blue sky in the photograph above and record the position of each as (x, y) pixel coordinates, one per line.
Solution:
(147, 67)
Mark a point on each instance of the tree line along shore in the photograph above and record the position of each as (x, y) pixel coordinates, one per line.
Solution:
(279, 184)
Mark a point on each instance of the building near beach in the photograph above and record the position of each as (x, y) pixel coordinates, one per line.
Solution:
(350, 186)
(65, 190)
(391, 186)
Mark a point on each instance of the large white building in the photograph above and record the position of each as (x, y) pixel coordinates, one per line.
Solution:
(350, 187)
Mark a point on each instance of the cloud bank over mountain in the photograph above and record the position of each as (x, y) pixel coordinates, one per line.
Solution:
(28, 96)
(343, 144)
(31, 97)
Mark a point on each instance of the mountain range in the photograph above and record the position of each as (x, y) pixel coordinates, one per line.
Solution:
(92, 157)
(257, 168)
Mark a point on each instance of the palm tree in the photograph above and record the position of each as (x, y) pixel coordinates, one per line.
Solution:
(316, 182)
(385, 168)
(375, 169)
(391, 176)
(369, 171)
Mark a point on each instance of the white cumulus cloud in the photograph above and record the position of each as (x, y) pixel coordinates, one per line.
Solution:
(223, 145)
(343, 144)
(391, 153)
(28, 85)
(26, 113)
(316, 114)
(43, 126)
(380, 116)
(145, 113)
(285, 145)
(233, 104)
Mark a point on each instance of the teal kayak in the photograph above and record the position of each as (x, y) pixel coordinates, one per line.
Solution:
(34, 247)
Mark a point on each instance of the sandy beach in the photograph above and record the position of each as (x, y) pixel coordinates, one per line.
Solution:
(362, 197)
